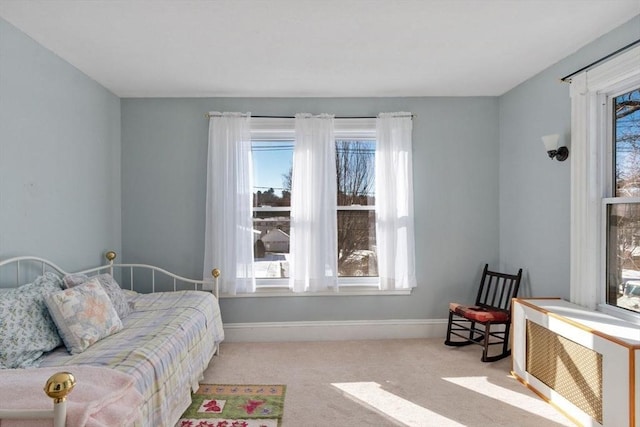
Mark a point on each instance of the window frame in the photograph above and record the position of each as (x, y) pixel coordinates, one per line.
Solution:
(608, 146)
(267, 130)
(603, 305)
(283, 129)
(592, 176)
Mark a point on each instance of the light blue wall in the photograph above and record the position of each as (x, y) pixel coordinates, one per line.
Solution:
(164, 148)
(59, 157)
(534, 190)
(484, 189)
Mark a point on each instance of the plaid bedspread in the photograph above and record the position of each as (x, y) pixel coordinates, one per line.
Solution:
(166, 344)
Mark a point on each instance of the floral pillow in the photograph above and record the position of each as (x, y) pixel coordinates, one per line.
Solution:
(84, 315)
(27, 328)
(110, 286)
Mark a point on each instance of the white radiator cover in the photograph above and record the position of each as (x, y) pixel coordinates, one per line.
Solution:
(583, 362)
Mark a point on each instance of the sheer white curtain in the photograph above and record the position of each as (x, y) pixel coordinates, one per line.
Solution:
(229, 227)
(394, 202)
(314, 262)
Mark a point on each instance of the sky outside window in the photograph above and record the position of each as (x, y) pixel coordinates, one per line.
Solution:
(272, 161)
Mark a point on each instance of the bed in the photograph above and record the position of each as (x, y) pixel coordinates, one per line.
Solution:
(166, 341)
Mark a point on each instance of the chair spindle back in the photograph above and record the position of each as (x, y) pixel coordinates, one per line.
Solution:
(497, 289)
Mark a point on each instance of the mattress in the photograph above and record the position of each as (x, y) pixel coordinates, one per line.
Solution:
(166, 344)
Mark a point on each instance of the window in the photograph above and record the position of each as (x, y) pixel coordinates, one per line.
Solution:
(605, 177)
(622, 210)
(272, 167)
(352, 222)
(272, 144)
(355, 170)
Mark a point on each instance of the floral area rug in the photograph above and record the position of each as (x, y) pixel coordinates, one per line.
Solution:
(224, 405)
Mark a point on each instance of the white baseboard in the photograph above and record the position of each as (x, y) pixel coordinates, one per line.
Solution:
(335, 330)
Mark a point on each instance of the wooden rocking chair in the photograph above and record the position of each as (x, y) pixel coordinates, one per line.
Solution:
(492, 308)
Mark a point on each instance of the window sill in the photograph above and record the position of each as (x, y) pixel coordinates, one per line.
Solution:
(620, 313)
(344, 291)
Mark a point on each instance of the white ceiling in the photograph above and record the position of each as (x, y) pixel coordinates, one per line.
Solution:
(277, 48)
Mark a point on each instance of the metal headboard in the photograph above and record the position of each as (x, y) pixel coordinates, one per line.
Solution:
(126, 270)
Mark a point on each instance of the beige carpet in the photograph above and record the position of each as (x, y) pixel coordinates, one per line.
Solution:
(384, 383)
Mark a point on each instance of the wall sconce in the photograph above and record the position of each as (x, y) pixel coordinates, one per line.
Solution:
(551, 145)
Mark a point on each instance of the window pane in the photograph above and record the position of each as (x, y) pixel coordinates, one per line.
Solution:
(271, 244)
(627, 144)
(272, 167)
(272, 161)
(357, 243)
(623, 255)
(355, 168)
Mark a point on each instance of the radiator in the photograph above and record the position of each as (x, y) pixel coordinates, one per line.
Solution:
(566, 367)
(584, 363)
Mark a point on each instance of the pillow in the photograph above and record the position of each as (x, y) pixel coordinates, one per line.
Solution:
(84, 315)
(27, 328)
(110, 286)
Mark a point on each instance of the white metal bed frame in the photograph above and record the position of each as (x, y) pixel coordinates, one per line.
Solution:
(60, 384)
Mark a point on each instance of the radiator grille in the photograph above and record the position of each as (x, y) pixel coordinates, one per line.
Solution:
(572, 370)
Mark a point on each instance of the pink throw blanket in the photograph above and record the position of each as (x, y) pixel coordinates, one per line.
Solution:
(102, 397)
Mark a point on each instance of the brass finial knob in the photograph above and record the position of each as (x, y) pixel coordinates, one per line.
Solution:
(59, 385)
(111, 255)
(215, 273)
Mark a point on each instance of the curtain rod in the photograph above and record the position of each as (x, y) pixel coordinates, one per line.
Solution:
(207, 116)
(604, 58)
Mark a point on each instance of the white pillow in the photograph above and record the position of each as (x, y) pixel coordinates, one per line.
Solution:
(110, 286)
(84, 315)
